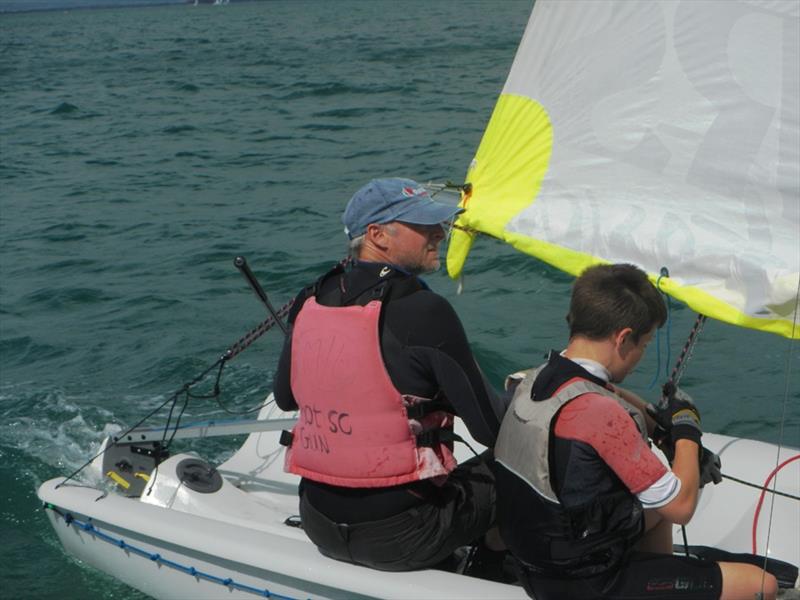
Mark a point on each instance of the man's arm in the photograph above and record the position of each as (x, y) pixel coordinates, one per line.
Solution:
(439, 358)
(281, 386)
(282, 382)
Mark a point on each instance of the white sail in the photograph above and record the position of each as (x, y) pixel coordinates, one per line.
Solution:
(666, 134)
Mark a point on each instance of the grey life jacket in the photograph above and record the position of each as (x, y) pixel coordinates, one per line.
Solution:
(582, 541)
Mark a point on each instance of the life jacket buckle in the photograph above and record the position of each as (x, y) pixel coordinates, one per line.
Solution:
(286, 439)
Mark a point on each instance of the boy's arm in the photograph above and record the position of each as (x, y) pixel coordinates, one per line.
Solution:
(639, 403)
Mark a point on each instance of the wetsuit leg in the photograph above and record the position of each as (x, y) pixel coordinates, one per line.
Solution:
(644, 577)
(417, 538)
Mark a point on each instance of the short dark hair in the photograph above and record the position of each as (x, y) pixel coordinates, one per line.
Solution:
(607, 298)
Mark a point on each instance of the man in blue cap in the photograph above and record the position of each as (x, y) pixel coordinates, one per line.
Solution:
(377, 366)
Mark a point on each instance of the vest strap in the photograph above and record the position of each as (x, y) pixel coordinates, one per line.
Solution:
(422, 409)
(437, 436)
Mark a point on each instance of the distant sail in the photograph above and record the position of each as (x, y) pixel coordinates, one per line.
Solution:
(666, 134)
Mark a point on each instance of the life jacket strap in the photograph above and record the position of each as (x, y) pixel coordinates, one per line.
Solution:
(422, 409)
(435, 437)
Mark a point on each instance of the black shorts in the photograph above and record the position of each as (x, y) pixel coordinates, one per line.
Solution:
(416, 538)
(645, 576)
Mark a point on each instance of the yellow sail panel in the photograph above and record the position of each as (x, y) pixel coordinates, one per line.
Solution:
(505, 174)
(700, 301)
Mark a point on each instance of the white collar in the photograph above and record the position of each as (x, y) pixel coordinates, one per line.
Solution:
(594, 367)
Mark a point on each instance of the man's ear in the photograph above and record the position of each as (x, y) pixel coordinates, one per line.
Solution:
(376, 234)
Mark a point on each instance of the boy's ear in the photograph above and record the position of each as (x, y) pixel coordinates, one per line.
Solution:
(622, 336)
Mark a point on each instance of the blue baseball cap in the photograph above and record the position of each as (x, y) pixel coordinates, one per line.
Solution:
(393, 199)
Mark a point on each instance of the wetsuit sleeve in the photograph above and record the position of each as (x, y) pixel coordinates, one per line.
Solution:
(433, 355)
(282, 388)
(604, 425)
(282, 382)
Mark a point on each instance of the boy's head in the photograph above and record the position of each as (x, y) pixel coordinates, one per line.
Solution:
(609, 298)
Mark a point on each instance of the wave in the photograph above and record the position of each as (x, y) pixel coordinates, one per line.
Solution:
(65, 108)
(176, 129)
(355, 112)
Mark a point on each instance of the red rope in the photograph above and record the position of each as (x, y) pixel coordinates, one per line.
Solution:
(764, 490)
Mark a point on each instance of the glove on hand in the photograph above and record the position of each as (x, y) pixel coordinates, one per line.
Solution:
(710, 467)
(677, 414)
(661, 438)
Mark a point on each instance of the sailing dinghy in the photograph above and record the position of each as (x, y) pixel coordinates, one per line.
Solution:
(664, 134)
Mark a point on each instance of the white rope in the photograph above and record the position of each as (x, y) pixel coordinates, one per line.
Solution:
(787, 379)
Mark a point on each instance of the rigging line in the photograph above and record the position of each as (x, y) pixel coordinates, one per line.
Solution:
(771, 477)
(172, 398)
(759, 487)
(243, 343)
(675, 377)
(787, 379)
(664, 273)
(688, 349)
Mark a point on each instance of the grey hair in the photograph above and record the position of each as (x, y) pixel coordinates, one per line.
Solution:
(355, 245)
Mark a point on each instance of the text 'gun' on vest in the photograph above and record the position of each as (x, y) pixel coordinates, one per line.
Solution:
(314, 428)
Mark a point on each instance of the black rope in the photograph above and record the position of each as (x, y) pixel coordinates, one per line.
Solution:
(185, 391)
(171, 399)
(760, 487)
(251, 336)
(677, 373)
(688, 348)
(234, 350)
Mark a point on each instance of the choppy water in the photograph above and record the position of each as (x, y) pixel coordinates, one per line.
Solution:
(142, 149)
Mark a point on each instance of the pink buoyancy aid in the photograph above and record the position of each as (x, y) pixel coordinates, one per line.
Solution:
(353, 427)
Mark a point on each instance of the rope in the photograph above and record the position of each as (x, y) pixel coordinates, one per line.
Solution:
(764, 491)
(120, 543)
(664, 273)
(688, 349)
(171, 399)
(185, 391)
(677, 373)
(787, 378)
(251, 336)
(760, 487)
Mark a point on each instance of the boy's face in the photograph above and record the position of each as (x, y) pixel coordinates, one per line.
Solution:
(629, 353)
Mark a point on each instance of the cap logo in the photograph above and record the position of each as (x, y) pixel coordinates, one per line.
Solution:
(409, 192)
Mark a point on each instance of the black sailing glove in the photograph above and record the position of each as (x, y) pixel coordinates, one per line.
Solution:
(677, 415)
(662, 439)
(710, 467)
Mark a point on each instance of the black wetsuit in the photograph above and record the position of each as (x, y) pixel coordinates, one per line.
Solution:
(426, 352)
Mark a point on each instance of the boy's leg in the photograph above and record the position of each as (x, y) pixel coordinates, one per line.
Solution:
(744, 581)
(658, 534)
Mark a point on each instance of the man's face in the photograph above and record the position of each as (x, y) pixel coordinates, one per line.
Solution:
(414, 248)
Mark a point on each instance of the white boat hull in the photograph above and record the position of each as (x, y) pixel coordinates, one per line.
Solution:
(236, 538)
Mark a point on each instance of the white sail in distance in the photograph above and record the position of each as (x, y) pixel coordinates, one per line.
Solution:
(664, 134)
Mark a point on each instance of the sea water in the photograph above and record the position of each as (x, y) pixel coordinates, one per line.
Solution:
(142, 149)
